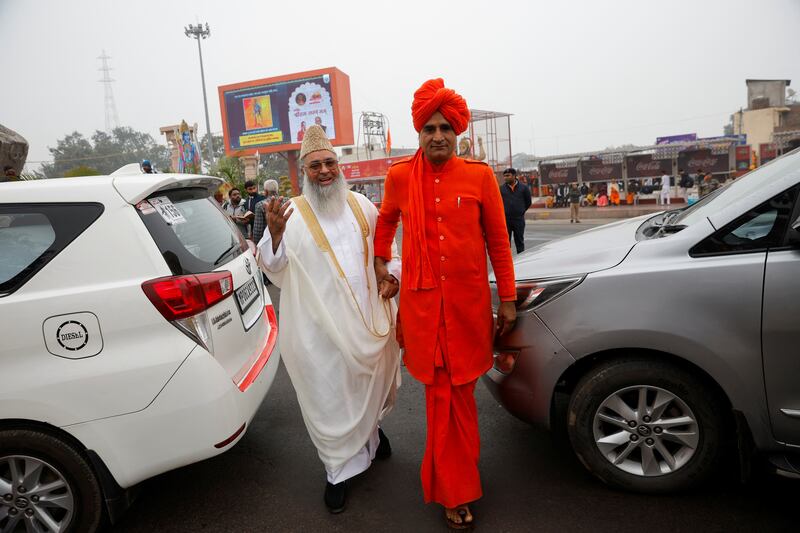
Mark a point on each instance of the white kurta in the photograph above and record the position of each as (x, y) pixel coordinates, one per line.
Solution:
(345, 374)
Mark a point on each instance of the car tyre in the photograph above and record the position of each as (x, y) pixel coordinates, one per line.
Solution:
(47, 461)
(601, 427)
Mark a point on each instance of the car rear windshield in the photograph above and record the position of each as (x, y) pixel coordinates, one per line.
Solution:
(31, 235)
(190, 230)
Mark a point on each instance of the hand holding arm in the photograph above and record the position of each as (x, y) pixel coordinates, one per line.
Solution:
(388, 285)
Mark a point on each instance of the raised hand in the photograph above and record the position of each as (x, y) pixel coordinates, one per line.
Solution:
(276, 214)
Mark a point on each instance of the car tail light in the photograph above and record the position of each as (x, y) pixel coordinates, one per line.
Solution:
(183, 300)
(505, 360)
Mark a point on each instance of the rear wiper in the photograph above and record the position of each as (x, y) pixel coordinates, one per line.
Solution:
(226, 252)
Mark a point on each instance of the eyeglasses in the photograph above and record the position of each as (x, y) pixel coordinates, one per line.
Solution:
(316, 166)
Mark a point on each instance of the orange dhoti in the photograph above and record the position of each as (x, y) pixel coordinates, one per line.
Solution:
(449, 473)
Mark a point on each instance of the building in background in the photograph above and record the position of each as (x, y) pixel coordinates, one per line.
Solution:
(771, 120)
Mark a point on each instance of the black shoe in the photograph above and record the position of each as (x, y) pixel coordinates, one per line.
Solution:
(384, 450)
(335, 497)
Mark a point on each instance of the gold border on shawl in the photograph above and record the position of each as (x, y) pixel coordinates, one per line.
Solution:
(323, 244)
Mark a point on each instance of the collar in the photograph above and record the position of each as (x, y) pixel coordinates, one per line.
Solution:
(448, 165)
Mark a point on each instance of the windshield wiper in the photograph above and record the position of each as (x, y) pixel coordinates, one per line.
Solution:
(671, 228)
(226, 252)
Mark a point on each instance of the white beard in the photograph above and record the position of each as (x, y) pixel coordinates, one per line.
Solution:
(329, 200)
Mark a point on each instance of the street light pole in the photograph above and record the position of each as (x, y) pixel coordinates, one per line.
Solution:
(198, 32)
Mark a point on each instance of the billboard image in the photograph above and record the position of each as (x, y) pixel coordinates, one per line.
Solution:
(272, 114)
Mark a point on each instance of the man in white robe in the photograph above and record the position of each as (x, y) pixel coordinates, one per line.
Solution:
(337, 321)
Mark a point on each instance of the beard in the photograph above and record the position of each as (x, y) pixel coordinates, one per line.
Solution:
(329, 200)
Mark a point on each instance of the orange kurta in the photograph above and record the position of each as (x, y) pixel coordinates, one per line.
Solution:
(463, 219)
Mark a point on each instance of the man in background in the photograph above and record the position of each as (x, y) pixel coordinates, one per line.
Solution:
(516, 201)
(234, 207)
(270, 191)
(253, 199)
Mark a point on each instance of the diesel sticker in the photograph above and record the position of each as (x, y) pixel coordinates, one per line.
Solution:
(73, 335)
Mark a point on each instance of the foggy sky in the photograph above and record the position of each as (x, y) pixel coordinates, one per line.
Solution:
(576, 75)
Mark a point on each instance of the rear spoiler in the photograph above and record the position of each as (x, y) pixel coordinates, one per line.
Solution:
(135, 188)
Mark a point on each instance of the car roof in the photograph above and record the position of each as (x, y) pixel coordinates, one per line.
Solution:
(132, 188)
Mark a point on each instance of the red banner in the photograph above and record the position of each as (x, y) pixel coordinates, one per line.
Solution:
(767, 152)
(644, 166)
(704, 160)
(743, 157)
(370, 168)
(551, 174)
(599, 171)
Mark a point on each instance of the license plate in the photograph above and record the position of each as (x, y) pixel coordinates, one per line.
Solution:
(246, 295)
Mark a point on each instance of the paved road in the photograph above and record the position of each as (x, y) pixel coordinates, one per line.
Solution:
(273, 481)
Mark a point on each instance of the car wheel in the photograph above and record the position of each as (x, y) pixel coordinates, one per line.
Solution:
(645, 426)
(46, 485)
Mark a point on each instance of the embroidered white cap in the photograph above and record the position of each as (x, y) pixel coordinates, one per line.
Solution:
(314, 139)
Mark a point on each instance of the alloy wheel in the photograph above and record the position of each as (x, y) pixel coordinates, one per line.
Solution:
(646, 431)
(34, 496)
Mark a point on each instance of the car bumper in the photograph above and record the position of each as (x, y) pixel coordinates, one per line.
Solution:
(527, 391)
(199, 413)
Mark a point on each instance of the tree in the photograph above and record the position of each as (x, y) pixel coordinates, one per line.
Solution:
(219, 149)
(105, 152)
(81, 170)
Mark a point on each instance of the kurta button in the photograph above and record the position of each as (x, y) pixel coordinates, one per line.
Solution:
(438, 219)
(442, 258)
(436, 180)
(438, 200)
(442, 278)
(441, 237)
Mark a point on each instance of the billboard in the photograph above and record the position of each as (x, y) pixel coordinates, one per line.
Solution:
(272, 114)
(599, 171)
(705, 160)
(686, 137)
(552, 175)
(644, 166)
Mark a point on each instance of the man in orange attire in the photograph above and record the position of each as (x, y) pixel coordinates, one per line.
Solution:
(452, 214)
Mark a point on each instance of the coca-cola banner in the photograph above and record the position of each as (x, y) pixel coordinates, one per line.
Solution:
(551, 174)
(599, 171)
(694, 160)
(644, 166)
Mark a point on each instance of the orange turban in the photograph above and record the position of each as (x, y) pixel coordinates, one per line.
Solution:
(433, 96)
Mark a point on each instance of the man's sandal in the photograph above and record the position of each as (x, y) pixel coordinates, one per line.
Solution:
(462, 513)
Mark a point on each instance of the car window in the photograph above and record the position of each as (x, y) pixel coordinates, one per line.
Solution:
(31, 235)
(23, 238)
(759, 229)
(190, 230)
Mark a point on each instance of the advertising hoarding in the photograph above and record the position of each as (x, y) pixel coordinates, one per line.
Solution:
(704, 160)
(272, 114)
(644, 166)
(599, 171)
(551, 174)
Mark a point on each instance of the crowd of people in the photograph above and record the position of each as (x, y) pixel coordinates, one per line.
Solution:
(614, 192)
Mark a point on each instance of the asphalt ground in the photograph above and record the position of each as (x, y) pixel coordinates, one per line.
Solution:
(272, 480)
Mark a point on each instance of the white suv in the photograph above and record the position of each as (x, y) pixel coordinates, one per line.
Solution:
(136, 336)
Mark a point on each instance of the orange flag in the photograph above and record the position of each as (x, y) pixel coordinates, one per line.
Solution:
(388, 142)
